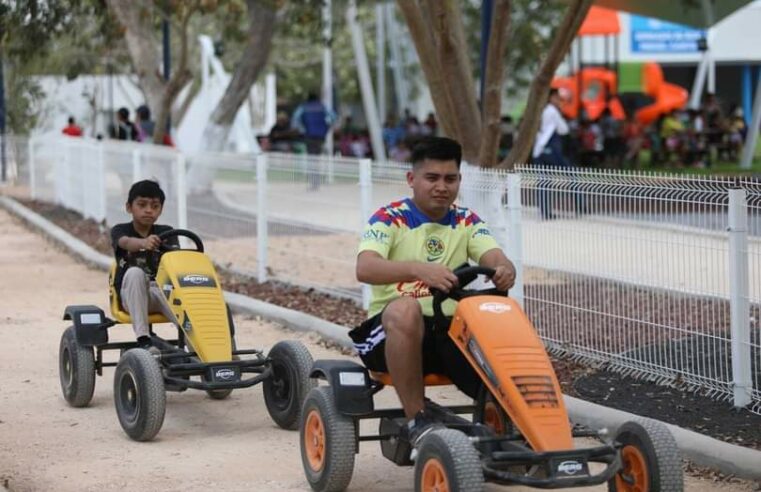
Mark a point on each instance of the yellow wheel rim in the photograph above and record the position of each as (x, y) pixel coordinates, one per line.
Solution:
(434, 477)
(633, 477)
(314, 440)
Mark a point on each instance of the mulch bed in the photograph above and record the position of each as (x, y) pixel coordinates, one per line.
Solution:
(675, 405)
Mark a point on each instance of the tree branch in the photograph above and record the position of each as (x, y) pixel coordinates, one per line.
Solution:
(521, 151)
(493, 82)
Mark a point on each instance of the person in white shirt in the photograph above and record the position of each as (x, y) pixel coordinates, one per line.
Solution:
(548, 151)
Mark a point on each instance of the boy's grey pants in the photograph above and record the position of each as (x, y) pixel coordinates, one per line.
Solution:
(140, 297)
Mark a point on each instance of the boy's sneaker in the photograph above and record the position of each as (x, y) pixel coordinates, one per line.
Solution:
(146, 344)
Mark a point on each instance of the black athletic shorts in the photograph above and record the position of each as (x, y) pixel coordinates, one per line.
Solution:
(440, 354)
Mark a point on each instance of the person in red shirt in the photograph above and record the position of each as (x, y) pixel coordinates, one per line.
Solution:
(72, 129)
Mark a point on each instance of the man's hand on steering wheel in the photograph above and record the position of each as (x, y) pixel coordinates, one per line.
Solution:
(504, 277)
(436, 276)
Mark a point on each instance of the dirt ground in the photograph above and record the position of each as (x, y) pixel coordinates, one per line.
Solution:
(204, 444)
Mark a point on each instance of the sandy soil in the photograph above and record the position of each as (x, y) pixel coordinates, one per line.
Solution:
(224, 445)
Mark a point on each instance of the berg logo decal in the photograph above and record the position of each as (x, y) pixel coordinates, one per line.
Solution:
(196, 279)
(224, 374)
(494, 307)
(434, 247)
(570, 467)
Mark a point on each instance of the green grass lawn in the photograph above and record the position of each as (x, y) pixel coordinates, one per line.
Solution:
(719, 167)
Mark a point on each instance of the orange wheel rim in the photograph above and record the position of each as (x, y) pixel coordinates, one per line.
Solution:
(633, 477)
(434, 477)
(314, 440)
(493, 418)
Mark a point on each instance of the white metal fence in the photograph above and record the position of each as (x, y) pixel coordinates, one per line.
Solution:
(654, 275)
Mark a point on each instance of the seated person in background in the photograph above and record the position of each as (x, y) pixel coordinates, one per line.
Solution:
(407, 248)
(136, 247)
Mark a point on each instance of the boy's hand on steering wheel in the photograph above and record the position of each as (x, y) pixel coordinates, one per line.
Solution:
(151, 243)
(436, 276)
(504, 277)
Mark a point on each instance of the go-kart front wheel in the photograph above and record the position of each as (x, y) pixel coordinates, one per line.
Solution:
(448, 461)
(651, 461)
(76, 368)
(139, 394)
(287, 388)
(328, 442)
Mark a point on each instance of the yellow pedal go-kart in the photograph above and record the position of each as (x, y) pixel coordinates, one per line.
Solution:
(203, 356)
(519, 433)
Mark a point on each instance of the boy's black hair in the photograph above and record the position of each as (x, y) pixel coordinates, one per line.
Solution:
(437, 148)
(147, 189)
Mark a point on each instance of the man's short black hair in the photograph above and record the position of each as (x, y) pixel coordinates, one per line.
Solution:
(437, 148)
(147, 189)
(553, 92)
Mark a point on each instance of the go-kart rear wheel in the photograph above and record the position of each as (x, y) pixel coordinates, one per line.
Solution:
(328, 442)
(287, 388)
(651, 459)
(76, 368)
(490, 413)
(447, 461)
(139, 394)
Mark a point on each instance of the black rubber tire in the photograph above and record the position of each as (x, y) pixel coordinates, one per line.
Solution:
(76, 368)
(139, 394)
(660, 451)
(287, 388)
(340, 443)
(459, 459)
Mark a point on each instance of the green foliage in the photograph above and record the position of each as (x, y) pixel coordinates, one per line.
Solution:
(531, 33)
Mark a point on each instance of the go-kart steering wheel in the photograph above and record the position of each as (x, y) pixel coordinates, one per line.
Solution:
(164, 247)
(465, 275)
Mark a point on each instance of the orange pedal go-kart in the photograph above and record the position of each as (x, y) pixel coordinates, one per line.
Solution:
(519, 432)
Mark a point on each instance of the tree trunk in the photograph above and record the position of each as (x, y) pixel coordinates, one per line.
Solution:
(262, 21)
(456, 74)
(143, 47)
(521, 151)
(493, 82)
(422, 37)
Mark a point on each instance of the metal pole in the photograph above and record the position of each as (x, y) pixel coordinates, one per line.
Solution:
(738, 297)
(327, 65)
(712, 63)
(365, 209)
(749, 148)
(380, 57)
(515, 234)
(167, 65)
(3, 162)
(487, 10)
(32, 170)
(182, 193)
(699, 82)
(365, 84)
(261, 217)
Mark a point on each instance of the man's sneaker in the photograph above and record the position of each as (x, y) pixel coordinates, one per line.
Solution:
(420, 426)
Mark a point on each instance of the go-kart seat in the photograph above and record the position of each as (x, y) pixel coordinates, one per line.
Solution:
(119, 314)
(428, 380)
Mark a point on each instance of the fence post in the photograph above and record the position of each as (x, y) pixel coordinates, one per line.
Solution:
(182, 192)
(101, 183)
(738, 297)
(515, 233)
(261, 217)
(32, 170)
(136, 171)
(365, 209)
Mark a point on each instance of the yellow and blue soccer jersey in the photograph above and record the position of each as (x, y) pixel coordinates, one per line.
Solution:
(401, 232)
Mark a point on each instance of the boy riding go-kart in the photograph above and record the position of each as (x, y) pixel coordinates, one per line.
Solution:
(155, 281)
(483, 343)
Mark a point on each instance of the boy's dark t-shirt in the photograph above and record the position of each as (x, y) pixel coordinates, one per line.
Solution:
(143, 259)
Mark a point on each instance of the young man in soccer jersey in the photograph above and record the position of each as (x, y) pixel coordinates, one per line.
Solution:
(407, 247)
